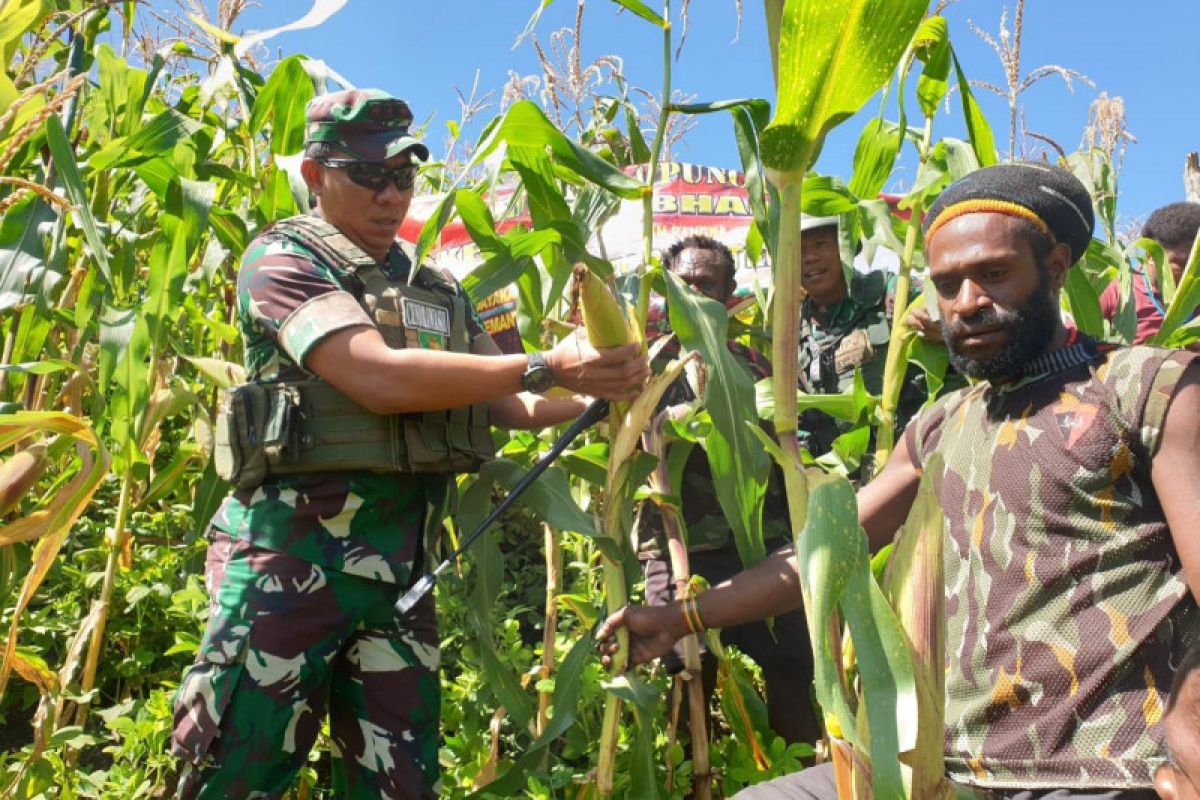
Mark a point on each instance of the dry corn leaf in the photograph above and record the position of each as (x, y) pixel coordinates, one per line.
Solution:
(51, 524)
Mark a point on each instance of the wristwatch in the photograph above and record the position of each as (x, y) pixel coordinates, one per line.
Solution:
(538, 377)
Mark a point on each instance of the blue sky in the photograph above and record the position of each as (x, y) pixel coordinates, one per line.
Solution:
(1144, 52)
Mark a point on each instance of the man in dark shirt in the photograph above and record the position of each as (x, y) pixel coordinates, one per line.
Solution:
(783, 654)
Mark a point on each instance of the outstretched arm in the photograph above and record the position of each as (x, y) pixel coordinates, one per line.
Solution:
(388, 381)
(771, 587)
(1175, 473)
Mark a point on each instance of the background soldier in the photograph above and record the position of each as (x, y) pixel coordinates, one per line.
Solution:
(372, 383)
(844, 327)
(1071, 472)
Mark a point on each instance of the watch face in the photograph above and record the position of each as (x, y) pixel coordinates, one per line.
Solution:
(538, 379)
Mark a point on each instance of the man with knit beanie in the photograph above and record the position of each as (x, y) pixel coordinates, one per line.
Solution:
(1070, 474)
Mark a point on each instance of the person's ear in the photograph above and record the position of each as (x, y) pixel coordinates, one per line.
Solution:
(1164, 782)
(313, 174)
(1057, 262)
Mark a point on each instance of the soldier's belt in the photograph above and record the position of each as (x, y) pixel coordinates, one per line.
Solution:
(285, 428)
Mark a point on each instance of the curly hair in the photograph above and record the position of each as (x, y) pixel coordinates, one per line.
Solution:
(700, 242)
(1173, 225)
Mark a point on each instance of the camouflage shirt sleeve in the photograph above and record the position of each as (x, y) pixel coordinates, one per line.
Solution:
(290, 297)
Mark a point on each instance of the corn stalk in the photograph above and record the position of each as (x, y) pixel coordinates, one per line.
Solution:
(831, 59)
(553, 587)
(609, 325)
(692, 676)
(896, 364)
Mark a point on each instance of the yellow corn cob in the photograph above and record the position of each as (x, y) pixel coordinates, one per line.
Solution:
(19, 473)
(603, 315)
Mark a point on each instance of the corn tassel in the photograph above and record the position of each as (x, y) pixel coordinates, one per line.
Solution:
(19, 474)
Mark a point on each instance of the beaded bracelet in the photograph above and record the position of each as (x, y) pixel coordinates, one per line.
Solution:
(691, 615)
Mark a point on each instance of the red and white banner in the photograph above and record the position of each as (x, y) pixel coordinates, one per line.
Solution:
(688, 200)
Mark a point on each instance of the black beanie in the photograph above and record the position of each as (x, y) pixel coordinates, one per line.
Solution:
(1048, 196)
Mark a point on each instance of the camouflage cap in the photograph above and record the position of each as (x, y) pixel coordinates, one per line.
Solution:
(368, 124)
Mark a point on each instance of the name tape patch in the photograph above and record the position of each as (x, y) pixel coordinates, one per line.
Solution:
(426, 317)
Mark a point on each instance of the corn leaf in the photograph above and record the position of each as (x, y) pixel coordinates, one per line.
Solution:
(642, 10)
(549, 497)
(1186, 299)
(224, 374)
(826, 554)
(68, 172)
(526, 125)
(46, 367)
(17, 17)
(282, 102)
(567, 685)
(643, 780)
(52, 524)
(982, 140)
(739, 466)
(23, 269)
(932, 45)
(832, 58)
(1084, 303)
(874, 155)
(833, 551)
(914, 584)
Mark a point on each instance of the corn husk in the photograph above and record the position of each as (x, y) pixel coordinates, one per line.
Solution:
(19, 473)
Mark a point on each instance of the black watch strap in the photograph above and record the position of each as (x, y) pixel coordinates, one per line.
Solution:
(538, 377)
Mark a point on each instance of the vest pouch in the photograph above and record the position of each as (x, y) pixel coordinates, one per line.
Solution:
(426, 445)
(255, 423)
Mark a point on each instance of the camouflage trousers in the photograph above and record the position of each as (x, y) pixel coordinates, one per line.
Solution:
(288, 642)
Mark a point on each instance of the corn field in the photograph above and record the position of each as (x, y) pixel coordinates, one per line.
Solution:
(132, 179)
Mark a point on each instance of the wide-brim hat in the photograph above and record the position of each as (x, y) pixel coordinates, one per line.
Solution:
(368, 124)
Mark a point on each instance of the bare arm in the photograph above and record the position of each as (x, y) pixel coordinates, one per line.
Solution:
(524, 409)
(883, 503)
(1175, 473)
(389, 381)
(772, 586)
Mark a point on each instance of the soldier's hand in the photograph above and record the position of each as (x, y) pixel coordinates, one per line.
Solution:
(616, 373)
(925, 326)
(653, 630)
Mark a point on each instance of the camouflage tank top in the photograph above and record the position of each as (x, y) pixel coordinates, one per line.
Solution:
(1066, 604)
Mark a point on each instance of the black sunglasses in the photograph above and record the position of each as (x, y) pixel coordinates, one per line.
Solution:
(373, 176)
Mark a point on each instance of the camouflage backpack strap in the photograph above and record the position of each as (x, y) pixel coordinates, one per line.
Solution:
(327, 242)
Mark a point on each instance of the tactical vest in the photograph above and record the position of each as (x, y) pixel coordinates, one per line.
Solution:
(289, 427)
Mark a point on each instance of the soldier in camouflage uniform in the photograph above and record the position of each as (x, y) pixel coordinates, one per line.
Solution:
(1072, 566)
(371, 383)
(783, 653)
(844, 328)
